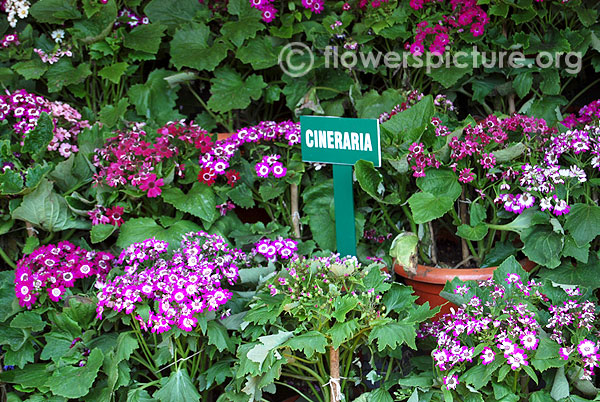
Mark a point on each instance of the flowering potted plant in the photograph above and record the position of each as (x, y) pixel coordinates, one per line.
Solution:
(512, 336)
(312, 320)
(461, 170)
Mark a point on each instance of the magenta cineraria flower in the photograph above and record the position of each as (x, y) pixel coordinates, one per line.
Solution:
(56, 268)
(189, 283)
(451, 382)
(487, 356)
(587, 348)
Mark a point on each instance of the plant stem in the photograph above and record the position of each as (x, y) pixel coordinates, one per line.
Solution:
(334, 374)
(296, 390)
(7, 259)
(295, 213)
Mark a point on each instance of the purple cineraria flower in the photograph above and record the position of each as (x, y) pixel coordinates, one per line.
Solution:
(512, 278)
(529, 340)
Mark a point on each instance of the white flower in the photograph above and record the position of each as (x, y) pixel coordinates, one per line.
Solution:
(58, 35)
(23, 12)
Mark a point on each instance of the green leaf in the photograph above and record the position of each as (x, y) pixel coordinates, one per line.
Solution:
(200, 201)
(114, 72)
(271, 189)
(550, 84)
(571, 249)
(217, 335)
(139, 229)
(510, 153)
(475, 233)
(100, 233)
(28, 320)
(583, 223)
(404, 249)
(587, 16)
(54, 11)
(110, 115)
(75, 382)
(426, 207)
(409, 125)
(20, 357)
(37, 140)
(560, 386)
(318, 201)
(399, 298)
(71, 173)
(259, 52)
(393, 334)
(238, 31)
(341, 332)
(241, 195)
(155, 99)
(440, 182)
(7, 294)
(11, 182)
(139, 395)
(529, 217)
(342, 306)
(543, 246)
(31, 376)
(218, 372)
(62, 73)
(522, 84)
(48, 210)
(145, 38)
(31, 69)
(546, 355)
(172, 13)
(372, 104)
(179, 387)
(31, 244)
(369, 179)
(509, 266)
(448, 77)
(229, 91)
(36, 173)
(309, 343)
(93, 29)
(191, 47)
(258, 353)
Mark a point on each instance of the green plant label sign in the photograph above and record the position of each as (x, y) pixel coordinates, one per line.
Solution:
(340, 140)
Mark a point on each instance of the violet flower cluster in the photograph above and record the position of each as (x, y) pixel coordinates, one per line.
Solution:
(567, 161)
(274, 249)
(176, 288)
(502, 326)
(130, 158)
(573, 327)
(24, 109)
(54, 268)
(216, 159)
(269, 11)
(465, 15)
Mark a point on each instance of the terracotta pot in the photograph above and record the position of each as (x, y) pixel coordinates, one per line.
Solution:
(222, 136)
(430, 281)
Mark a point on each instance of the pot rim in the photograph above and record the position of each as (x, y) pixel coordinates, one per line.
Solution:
(440, 276)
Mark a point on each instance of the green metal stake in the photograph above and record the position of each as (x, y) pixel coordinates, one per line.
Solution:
(345, 234)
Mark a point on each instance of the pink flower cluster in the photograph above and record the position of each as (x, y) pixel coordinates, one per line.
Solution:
(274, 249)
(417, 154)
(180, 287)
(102, 216)
(56, 268)
(216, 159)
(506, 324)
(11, 39)
(26, 108)
(225, 207)
(55, 56)
(465, 14)
(131, 157)
(587, 114)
